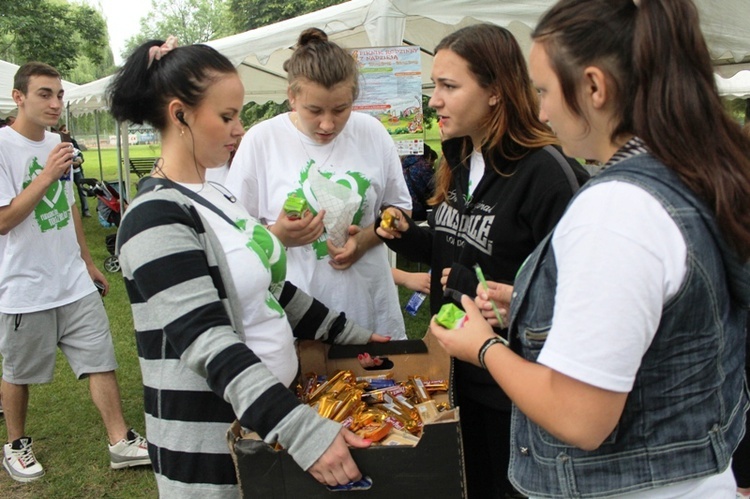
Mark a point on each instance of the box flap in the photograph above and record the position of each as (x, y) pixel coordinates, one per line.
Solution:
(423, 357)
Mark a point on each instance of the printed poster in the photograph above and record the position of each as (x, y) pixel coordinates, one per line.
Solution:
(390, 89)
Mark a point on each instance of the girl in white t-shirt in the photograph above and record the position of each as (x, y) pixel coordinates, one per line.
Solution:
(628, 84)
(347, 269)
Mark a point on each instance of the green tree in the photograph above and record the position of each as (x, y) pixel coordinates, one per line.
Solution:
(52, 31)
(429, 114)
(191, 21)
(739, 109)
(245, 15)
(253, 112)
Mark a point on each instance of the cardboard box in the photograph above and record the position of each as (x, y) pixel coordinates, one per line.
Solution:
(433, 468)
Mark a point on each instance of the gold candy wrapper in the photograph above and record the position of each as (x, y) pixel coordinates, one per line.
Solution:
(435, 385)
(370, 423)
(373, 414)
(420, 391)
(335, 385)
(351, 399)
(402, 422)
(388, 221)
(408, 418)
(328, 405)
(367, 416)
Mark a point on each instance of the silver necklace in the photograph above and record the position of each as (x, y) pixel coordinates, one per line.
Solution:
(295, 122)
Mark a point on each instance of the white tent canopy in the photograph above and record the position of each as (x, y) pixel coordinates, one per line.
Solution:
(260, 53)
(89, 97)
(7, 72)
(736, 87)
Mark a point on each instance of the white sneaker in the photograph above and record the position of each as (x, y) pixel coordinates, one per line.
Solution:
(20, 462)
(128, 452)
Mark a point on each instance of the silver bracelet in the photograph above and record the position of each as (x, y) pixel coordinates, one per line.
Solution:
(486, 346)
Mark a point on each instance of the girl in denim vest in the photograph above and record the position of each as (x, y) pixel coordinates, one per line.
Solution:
(627, 325)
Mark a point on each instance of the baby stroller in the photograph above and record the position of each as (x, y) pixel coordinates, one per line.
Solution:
(109, 212)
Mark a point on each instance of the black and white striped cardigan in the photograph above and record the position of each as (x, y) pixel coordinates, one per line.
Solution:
(198, 374)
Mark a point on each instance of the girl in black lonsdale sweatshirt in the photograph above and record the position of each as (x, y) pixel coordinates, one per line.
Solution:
(500, 189)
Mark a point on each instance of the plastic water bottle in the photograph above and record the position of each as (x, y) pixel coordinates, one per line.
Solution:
(415, 301)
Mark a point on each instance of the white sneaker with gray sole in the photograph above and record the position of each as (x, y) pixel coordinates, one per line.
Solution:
(19, 460)
(128, 452)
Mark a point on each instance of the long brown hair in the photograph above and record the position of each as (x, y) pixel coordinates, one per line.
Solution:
(513, 127)
(656, 60)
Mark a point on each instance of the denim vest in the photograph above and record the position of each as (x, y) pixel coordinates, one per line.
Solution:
(685, 414)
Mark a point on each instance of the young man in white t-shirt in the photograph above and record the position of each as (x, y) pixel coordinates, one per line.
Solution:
(48, 298)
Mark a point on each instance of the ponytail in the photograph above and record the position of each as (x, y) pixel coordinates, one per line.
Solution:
(142, 88)
(679, 114)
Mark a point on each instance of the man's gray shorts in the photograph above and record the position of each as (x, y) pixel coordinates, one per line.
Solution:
(28, 342)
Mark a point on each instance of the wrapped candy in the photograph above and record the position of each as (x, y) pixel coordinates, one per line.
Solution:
(295, 207)
(350, 400)
(328, 405)
(335, 385)
(401, 420)
(435, 385)
(388, 221)
(373, 414)
(378, 396)
(451, 317)
(370, 423)
(428, 411)
(307, 386)
(420, 391)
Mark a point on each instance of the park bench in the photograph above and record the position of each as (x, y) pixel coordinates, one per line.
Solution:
(142, 166)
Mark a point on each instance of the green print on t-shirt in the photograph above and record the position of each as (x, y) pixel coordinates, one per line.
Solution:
(271, 255)
(351, 180)
(53, 211)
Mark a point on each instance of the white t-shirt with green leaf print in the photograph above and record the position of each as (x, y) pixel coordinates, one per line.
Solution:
(40, 265)
(258, 264)
(273, 161)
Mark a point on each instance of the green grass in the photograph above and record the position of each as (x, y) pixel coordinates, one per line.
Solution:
(69, 437)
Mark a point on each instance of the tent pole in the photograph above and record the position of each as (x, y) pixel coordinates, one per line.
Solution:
(124, 131)
(98, 145)
(119, 168)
